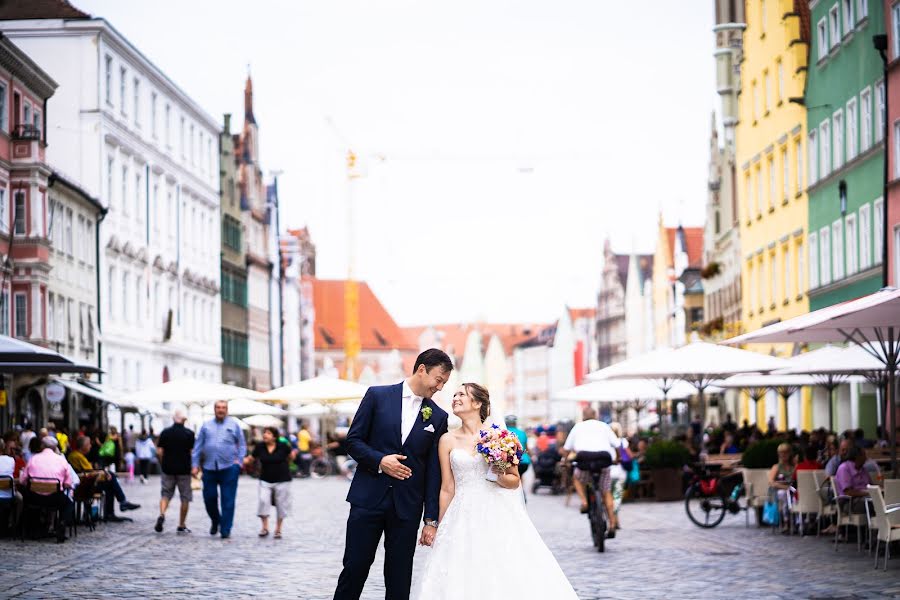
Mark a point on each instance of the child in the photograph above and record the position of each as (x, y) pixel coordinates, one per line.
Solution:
(129, 465)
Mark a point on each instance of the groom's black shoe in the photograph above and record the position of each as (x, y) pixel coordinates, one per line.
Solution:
(214, 529)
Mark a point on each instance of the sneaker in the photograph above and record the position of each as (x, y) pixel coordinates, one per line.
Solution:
(159, 524)
(182, 529)
(214, 529)
(123, 506)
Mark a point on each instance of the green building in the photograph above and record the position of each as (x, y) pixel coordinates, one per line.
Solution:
(845, 103)
(235, 318)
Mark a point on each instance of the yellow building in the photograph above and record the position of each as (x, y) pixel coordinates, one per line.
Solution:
(771, 161)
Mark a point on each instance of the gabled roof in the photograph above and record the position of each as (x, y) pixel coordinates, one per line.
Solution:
(39, 9)
(377, 329)
(693, 243)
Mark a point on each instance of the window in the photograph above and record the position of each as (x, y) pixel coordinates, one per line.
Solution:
(4, 121)
(748, 196)
(822, 39)
(895, 24)
(751, 284)
(800, 281)
(762, 17)
(88, 243)
(126, 304)
(111, 293)
(755, 101)
(847, 10)
(785, 174)
(109, 181)
(137, 102)
(813, 148)
(865, 126)
(181, 138)
(865, 237)
(825, 256)
(786, 271)
(773, 280)
(878, 226)
(153, 115)
(837, 249)
(139, 298)
(4, 312)
(191, 147)
(838, 128)
(154, 210)
(770, 165)
(879, 111)
(862, 9)
(896, 156)
(68, 240)
(779, 90)
(123, 77)
(759, 191)
(124, 198)
(759, 277)
(168, 126)
(4, 212)
(825, 154)
(108, 90)
(138, 192)
(798, 149)
(767, 90)
(51, 317)
(850, 227)
(231, 233)
(21, 318)
(834, 26)
(19, 213)
(851, 129)
(26, 114)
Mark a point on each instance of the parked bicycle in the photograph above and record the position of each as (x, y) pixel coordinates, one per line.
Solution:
(594, 463)
(710, 496)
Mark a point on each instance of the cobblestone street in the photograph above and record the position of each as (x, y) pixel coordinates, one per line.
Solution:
(659, 554)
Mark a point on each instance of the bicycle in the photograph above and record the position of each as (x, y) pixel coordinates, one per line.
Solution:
(594, 463)
(708, 497)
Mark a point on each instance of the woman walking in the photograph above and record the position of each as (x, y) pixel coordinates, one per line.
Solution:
(144, 450)
(273, 458)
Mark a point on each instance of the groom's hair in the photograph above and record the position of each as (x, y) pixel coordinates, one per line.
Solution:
(433, 358)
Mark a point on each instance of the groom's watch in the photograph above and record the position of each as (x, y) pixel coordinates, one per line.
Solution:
(431, 522)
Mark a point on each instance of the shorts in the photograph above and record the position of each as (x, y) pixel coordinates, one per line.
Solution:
(605, 478)
(168, 483)
(277, 494)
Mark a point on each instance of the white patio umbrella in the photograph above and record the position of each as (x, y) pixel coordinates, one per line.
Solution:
(242, 407)
(188, 391)
(756, 385)
(263, 421)
(315, 409)
(698, 363)
(320, 389)
(872, 321)
(615, 390)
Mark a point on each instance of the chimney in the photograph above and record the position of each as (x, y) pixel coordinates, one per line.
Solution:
(227, 118)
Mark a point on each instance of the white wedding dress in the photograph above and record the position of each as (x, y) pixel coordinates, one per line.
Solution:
(487, 546)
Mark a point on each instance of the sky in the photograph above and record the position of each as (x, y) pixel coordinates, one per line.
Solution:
(501, 142)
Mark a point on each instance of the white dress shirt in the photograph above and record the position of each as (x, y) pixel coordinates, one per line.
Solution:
(409, 411)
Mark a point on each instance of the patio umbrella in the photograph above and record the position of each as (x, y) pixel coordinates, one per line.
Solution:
(243, 407)
(756, 384)
(698, 363)
(320, 389)
(188, 391)
(309, 410)
(616, 390)
(17, 356)
(872, 321)
(263, 421)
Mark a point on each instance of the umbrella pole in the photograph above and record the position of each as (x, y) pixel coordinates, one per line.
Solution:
(892, 409)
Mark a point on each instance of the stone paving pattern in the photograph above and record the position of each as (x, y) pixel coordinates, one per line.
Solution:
(659, 554)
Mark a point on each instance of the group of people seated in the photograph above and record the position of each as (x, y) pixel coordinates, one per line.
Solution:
(70, 475)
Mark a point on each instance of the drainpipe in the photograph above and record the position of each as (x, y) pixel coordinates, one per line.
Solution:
(880, 42)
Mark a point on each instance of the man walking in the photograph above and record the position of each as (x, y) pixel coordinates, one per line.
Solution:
(174, 451)
(220, 449)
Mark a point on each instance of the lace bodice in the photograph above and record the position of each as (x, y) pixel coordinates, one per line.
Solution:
(467, 467)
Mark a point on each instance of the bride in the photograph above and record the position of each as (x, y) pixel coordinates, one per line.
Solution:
(486, 545)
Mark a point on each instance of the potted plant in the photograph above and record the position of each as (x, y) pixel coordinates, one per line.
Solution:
(666, 459)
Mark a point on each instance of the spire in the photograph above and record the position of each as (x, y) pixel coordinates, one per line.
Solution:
(248, 100)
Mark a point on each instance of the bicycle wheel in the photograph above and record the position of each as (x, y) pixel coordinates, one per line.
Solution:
(319, 468)
(598, 511)
(705, 511)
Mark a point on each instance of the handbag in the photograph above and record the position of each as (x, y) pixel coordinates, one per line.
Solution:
(108, 449)
(770, 514)
(634, 474)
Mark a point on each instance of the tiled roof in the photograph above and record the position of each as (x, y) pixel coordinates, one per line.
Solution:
(693, 241)
(377, 329)
(454, 335)
(39, 9)
(582, 313)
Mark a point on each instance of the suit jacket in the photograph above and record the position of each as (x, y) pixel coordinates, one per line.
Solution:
(374, 433)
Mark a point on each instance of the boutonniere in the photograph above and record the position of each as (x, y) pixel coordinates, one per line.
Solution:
(426, 413)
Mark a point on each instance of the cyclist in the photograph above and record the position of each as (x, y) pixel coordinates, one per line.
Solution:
(591, 435)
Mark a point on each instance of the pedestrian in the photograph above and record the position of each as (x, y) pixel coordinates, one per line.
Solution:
(174, 450)
(273, 457)
(144, 450)
(220, 448)
(304, 457)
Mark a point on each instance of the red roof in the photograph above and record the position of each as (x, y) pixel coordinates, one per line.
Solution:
(11, 10)
(693, 241)
(582, 313)
(377, 329)
(454, 335)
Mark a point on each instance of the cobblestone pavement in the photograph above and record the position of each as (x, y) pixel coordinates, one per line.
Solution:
(659, 554)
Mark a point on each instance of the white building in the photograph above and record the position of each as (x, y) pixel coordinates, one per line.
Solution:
(130, 137)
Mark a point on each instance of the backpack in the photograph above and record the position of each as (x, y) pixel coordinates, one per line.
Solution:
(107, 450)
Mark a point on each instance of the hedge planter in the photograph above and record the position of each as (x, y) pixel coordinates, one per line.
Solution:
(667, 484)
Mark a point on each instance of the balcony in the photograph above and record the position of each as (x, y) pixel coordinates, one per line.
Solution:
(27, 144)
(26, 132)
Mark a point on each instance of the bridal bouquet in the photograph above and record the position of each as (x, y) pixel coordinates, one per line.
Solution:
(500, 448)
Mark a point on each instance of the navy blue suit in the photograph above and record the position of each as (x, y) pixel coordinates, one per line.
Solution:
(380, 504)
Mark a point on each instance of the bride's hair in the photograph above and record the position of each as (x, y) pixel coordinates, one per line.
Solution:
(480, 394)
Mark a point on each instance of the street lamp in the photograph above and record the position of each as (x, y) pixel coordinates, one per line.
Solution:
(880, 42)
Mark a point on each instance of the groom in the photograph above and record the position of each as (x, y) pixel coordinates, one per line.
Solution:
(394, 438)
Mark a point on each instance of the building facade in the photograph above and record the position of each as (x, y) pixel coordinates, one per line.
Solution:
(772, 159)
(298, 263)
(845, 99)
(677, 288)
(721, 243)
(132, 138)
(892, 25)
(235, 320)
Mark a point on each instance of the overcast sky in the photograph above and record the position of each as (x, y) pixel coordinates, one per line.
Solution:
(503, 140)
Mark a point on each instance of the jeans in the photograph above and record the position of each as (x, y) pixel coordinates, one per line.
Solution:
(112, 492)
(225, 479)
(144, 464)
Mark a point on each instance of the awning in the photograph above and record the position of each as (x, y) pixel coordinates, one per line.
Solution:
(97, 394)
